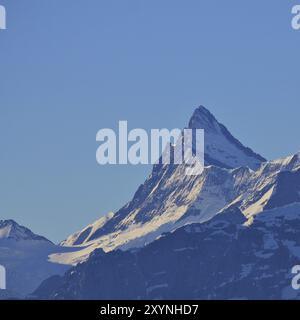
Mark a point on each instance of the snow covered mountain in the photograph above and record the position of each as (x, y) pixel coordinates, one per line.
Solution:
(229, 233)
(220, 259)
(169, 199)
(10, 230)
(25, 257)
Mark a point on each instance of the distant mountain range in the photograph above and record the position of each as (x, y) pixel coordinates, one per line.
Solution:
(229, 233)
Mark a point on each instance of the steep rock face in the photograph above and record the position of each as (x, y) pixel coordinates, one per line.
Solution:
(218, 259)
(167, 198)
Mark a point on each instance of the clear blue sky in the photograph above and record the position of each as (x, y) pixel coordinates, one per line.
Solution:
(71, 67)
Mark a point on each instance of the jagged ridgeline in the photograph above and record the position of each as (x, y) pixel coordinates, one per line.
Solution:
(229, 233)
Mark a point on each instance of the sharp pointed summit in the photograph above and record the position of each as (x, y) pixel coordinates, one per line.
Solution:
(202, 118)
(221, 147)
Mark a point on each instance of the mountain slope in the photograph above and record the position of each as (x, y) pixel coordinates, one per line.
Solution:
(218, 259)
(274, 184)
(88, 232)
(161, 203)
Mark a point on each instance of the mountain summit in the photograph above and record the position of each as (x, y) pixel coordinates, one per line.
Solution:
(221, 148)
(9, 229)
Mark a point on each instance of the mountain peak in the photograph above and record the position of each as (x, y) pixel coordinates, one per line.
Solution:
(8, 222)
(10, 229)
(221, 147)
(202, 118)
